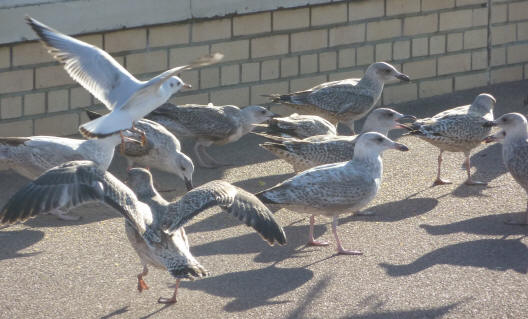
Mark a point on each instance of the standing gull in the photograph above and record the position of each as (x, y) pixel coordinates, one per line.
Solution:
(301, 126)
(128, 98)
(153, 226)
(514, 138)
(334, 189)
(457, 130)
(343, 101)
(325, 149)
(210, 124)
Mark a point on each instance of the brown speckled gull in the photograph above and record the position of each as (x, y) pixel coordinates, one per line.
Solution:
(300, 126)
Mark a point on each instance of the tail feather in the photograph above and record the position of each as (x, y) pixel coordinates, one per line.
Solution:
(93, 115)
(262, 197)
(274, 147)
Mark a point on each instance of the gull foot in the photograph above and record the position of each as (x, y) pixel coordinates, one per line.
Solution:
(142, 285)
(167, 300)
(472, 182)
(440, 181)
(314, 242)
(348, 252)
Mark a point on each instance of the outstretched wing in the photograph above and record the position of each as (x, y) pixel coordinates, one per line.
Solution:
(233, 200)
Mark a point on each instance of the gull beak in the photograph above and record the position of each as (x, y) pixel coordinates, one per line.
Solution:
(495, 137)
(187, 85)
(400, 147)
(273, 115)
(489, 124)
(403, 77)
(188, 184)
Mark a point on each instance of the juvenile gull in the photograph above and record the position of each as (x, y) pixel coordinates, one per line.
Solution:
(301, 126)
(210, 124)
(325, 149)
(457, 130)
(128, 98)
(153, 226)
(162, 151)
(334, 189)
(514, 138)
(346, 100)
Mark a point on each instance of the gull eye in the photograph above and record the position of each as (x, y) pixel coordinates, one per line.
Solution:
(171, 85)
(263, 112)
(387, 71)
(379, 139)
(182, 168)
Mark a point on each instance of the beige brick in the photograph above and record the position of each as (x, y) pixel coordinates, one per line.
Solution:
(267, 46)
(455, 42)
(211, 30)
(420, 24)
(279, 87)
(365, 9)
(202, 98)
(125, 40)
(291, 19)
(230, 74)
(499, 13)
(209, 77)
(34, 103)
(5, 57)
(347, 34)
(18, 128)
(183, 56)
(30, 53)
(454, 63)
(456, 19)
(191, 77)
(58, 125)
(365, 55)
(507, 74)
(327, 61)
(10, 107)
(395, 7)
(309, 40)
(437, 44)
(464, 82)
(269, 70)
(522, 31)
(148, 62)
(252, 23)
(420, 69)
(238, 97)
(232, 50)
(402, 49)
(306, 83)
(14, 81)
(475, 38)
(383, 29)
(79, 97)
(347, 57)
(479, 60)
(329, 14)
(460, 3)
(435, 87)
(480, 17)
(433, 5)
(502, 34)
(399, 93)
(518, 11)
(250, 72)
(384, 51)
(58, 101)
(308, 63)
(420, 47)
(166, 35)
(51, 76)
(498, 56)
(517, 53)
(356, 74)
(289, 66)
(95, 39)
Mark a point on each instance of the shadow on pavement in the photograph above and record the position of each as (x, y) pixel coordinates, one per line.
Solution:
(494, 254)
(16, 240)
(97, 212)
(261, 183)
(117, 312)
(437, 312)
(320, 286)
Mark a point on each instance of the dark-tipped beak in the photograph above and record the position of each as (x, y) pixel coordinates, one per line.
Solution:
(406, 119)
(489, 139)
(403, 77)
(400, 147)
(187, 86)
(489, 124)
(188, 184)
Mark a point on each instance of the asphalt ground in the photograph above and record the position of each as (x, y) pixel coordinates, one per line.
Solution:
(429, 252)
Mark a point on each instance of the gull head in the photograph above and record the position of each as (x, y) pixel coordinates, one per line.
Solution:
(140, 181)
(385, 72)
(184, 168)
(513, 124)
(374, 143)
(175, 84)
(256, 114)
(484, 101)
(381, 120)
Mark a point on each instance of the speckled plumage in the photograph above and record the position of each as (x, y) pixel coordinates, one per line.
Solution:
(301, 126)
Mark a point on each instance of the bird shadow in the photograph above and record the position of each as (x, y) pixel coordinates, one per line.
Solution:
(253, 288)
(493, 254)
(89, 213)
(16, 240)
(435, 312)
(117, 312)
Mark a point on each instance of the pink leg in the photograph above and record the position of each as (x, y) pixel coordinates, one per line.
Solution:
(141, 283)
(470, 181)
(173, 298)
(311, 240)
(340, 249)
(440, 181)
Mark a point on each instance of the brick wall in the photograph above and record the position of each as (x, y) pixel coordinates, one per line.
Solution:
(444, 46)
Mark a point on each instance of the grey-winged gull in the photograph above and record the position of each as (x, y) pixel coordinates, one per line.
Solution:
(162, 151)
(300, 126)
(346, 100)
(334, 189)
(514, 138)
(325, 149)
(127, 98)
(153, 226)
(457, 129)
(210, 124)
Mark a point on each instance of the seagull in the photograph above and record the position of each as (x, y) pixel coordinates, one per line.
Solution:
(300, 126)
(127, 98)
(514, 138)
(334, 189)
(210, 124)
(457, 129)
(153, 226)
(306, 153)
(346, 100)
(162, 151)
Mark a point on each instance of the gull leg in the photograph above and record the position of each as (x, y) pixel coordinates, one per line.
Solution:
(350, 125)
(201, 161)
(522, 222)
(142, 133)
(64, 215)
(469, 180)
(141, 283)
(311, 240)
(440, 181)
(173, 298)
(122, 145)
(340, 249)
